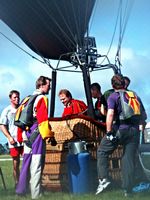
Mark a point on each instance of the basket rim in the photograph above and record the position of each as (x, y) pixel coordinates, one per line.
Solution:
(75, 116)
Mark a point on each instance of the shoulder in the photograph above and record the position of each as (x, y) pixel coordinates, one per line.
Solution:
(107, 93)
(40, 98)
(113, 100)
(113, 96)
(78, 101)
(7, 109)
(6, 114)
(133, 94)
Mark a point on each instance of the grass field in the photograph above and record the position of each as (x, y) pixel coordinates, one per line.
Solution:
(9, 193)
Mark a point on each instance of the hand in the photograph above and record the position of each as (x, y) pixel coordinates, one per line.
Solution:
(110, 136)
(52, 141)
(109, 133)
(11, 140)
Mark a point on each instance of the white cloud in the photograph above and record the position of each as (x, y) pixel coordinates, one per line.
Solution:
(11, 78)
(23, 78)
(135, 65)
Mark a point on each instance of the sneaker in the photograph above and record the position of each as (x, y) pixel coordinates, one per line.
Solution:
(103, 184)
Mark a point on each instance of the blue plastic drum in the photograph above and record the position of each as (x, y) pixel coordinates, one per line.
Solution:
(79, 172)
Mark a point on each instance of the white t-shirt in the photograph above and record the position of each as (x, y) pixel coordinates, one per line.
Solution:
(7, 118)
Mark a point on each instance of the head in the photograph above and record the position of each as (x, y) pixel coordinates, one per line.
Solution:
(127, 81)
(43, 84)
(14, 97)
(118, 82)
(65, 96)
(95, 90)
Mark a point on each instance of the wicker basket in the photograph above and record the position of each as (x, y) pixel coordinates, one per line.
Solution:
(72, 129)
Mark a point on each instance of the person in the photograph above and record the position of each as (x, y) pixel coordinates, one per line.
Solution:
(127, 82)
(100, 111)
(107, 93)
(119, 132)
(12, 132)
(34, 155)
(71, 106)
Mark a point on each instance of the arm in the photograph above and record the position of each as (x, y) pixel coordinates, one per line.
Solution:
(111, 102)
(109, 119)
(5, 131)
(42, 118)
(103, 110)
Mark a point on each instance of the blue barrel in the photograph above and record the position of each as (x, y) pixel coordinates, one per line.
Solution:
(79, 172)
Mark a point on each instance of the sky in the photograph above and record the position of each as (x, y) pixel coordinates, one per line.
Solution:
(20, 71)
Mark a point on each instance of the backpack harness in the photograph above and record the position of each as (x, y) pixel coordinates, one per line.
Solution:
(131, 107)
(24, 118)
(24, 115)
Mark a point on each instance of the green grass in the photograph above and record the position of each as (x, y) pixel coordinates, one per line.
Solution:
(9, 194)
(5, 156)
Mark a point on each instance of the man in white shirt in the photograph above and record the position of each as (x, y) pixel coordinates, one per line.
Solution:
(12, 132)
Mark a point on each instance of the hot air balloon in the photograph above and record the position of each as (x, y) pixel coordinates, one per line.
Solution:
(55, 30)
(58, 30)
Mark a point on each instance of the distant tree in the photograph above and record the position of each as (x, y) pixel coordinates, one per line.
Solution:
(4, 149)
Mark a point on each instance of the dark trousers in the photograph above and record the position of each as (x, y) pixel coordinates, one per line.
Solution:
(129, 139)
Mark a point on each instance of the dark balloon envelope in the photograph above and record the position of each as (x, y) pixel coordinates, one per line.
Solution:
(51, 28)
